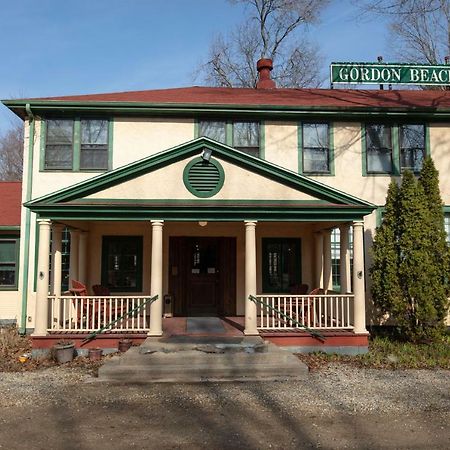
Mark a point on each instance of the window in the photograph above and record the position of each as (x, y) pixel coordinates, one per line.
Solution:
(378, 148)
(316, 151)
(65, 259)
(9, 256)
(59, 146)
(336, 256)
(281, 264)
(244, 136)
(412, 147)
(76, 144)
(122, 263)
(94, 144)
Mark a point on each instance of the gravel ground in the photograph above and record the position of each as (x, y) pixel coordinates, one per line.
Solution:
(339, 407)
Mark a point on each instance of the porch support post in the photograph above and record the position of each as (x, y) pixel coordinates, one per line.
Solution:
(358, 278)
(327, 276)
(318, 259)
(344, 259)
(57, 259)
(250, 278)
(82, 257)
(156, 278)
(74, 252)
(40, 326)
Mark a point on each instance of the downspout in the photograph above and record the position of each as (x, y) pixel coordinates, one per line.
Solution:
(26, 255)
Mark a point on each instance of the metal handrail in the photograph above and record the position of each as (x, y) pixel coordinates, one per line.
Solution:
(108, 325)
(313, 333)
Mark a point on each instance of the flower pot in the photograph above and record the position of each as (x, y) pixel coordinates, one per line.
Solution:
(124, 345)
(64, 352)
(95, 354)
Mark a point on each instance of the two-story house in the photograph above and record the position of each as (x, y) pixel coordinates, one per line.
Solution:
(240, 203)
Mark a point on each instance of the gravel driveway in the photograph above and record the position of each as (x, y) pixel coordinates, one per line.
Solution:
(340, 407)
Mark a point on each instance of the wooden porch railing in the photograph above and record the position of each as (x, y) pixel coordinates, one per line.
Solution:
(326, 312)
(90, 313)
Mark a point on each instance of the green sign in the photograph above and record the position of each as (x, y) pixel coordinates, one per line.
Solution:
(379, 73)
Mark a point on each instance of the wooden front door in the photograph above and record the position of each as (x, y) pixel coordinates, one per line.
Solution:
(202, 275)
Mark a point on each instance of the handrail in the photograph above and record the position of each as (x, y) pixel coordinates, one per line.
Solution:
(94, 334)
(313, 333)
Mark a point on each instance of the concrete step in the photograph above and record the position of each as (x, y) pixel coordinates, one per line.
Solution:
(224, 360)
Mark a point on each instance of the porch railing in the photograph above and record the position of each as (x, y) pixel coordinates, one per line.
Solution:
(326, 312)
(90, 313)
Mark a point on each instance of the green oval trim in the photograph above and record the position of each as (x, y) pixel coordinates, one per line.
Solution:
(207, 191)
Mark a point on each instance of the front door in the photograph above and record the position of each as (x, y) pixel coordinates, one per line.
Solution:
(202, 293)
(202, 275)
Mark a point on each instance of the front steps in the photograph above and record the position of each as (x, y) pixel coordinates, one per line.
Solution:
(188, 359)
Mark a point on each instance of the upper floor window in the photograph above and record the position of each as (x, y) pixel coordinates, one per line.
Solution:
(244, 136)
(316, 148)
(76, 144)
(412, 146)
(447, 227)
(378, 148)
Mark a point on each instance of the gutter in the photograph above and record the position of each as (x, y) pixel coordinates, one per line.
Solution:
(26, 240)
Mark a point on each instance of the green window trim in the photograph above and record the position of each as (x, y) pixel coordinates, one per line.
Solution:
(203, 193)
(76, 145)
(15, 263)
(229, 133)
(135, 240)
(395, 138)
(331, 152)
(296, 243)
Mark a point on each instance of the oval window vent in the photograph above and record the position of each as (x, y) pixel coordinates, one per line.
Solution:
(203, 178)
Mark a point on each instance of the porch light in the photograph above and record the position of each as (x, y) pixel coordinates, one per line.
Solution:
(203, 223)
(206, 154)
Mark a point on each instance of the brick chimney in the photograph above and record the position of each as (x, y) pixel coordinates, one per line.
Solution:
(264, 66)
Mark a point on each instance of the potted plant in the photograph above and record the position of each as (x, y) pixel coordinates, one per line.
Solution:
(64, 351)
(124, 344)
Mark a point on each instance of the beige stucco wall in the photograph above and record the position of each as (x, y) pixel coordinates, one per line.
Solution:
(280, 144)
(167, 183)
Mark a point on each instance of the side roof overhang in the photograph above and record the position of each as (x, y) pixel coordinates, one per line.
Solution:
(73, 202)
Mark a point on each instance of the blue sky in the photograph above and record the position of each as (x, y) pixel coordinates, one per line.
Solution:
(56, 47)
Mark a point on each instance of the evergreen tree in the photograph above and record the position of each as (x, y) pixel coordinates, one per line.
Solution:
(384, 271)
(410, 257)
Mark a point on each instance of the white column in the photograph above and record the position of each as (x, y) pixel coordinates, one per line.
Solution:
(74, 251)
(57, 230)
(82, 257)
(327, 275)
(250, 278)
(358, 278)
(318, 260)
(344, 259)
(156, 279)
(40, 327)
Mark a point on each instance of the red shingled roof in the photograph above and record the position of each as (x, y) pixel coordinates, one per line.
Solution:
(11, 201)
(349, 98)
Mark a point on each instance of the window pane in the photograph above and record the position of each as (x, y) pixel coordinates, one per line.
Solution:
(122, 263)
(213, 130)
(378, 136)
(412, 146)
(94, 144)
(315, 135)
(379, 160)
(8, 255)
(246, 134)
(281, 265)
(7, 275)
(447, 227)
(7, 251)
(59, 144)
(315, 160)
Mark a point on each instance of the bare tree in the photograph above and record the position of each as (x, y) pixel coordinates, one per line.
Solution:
(420, 28)
(11, 154)
(274, 29)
